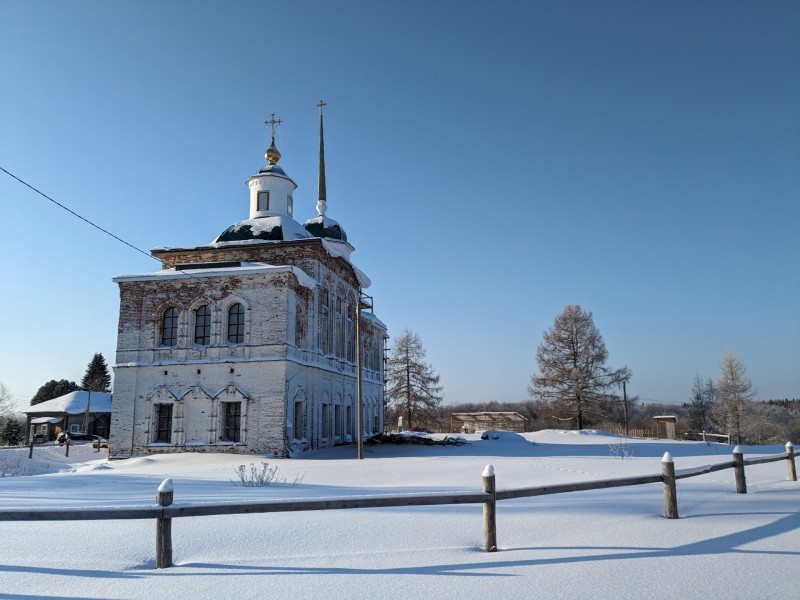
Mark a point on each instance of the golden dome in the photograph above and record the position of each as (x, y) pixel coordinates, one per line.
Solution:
(272, 155)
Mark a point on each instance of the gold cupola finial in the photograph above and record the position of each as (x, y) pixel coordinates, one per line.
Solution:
(272, 155)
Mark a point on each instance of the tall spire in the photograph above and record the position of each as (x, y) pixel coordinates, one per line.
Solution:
(272, 155)
(321, 192)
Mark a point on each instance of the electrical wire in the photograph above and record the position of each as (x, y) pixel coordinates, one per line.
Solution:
(72, 212)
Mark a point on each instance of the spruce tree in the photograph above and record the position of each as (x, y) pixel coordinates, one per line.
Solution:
(11, 432)
(97, 377)
(701, 407)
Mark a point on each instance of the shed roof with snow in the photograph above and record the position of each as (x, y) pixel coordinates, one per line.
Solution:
(73, 403)
(511, 421)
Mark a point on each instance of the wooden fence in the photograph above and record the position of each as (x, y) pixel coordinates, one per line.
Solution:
(163, 511)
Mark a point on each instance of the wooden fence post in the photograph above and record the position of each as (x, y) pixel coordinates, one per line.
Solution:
(489, 511)
(30, 452)
(67, 445)
(790, 461)
(164, 527)
(738, 467)
(670, 490)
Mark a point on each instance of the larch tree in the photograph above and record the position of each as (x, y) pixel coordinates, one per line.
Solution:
(735, 394)
(97, 377)
(573, 376)
(412, 386)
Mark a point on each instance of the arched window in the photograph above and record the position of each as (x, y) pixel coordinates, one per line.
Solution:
(236, 324)
(338, 335)
(349, 333)
(324, 329)
(300, 325)
(202, 326)
(169, 327)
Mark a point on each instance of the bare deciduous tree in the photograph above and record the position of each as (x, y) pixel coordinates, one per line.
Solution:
(412, 386)
(735, 393)
(572, 364)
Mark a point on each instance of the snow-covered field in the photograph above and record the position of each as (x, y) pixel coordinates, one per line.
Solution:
(598, 544)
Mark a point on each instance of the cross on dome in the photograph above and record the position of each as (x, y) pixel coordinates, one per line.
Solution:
(272, 155)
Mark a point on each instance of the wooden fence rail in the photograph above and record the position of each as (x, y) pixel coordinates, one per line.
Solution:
(163, 511)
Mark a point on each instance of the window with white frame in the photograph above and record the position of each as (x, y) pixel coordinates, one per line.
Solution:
(163, 423)
(326, 426)
(236, 324)
(202, 326)
(299, 420)
(324, 329)
(263, 200)
(169, 327)
(231, 422)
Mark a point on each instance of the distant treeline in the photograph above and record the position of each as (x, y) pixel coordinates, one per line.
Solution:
(794, 403)
(772, 421)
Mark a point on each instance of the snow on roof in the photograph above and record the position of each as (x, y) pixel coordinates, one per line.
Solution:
(365, 314)
(73, 403)
(325, 227)
(270, 228)
(258, 267)
(343, 250)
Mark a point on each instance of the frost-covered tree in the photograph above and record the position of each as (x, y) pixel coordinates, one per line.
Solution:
(53, 389)
(412, 386)
(701, 404)
(6, 400)
(735, 393)
(573, 375)
(97, 377)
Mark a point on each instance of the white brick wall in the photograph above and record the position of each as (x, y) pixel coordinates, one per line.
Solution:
(267, 373)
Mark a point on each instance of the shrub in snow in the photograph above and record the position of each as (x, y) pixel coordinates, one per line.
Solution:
(621, 448)
(261, 476)
(13, 466)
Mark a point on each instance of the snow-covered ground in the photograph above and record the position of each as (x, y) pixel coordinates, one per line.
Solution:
(598, 544)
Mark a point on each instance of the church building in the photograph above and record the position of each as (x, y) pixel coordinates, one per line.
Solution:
(249, 344)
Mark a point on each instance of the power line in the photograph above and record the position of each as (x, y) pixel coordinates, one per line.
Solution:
(82, 218)
(253, 301)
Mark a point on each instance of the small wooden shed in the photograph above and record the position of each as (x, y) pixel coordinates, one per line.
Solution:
(472, 422)
(665, 426)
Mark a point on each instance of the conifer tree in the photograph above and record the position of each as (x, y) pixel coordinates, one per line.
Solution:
(11, 432)
(736, 394)
(97, 377)
(701, 406)
(412, 386)
(573, 375)
(53, 389)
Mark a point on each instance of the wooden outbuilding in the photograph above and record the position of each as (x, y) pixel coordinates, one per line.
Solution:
(76, 412)
(472, 422)
(665, 426)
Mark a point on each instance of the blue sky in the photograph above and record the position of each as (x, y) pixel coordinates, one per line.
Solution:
(490, 163)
